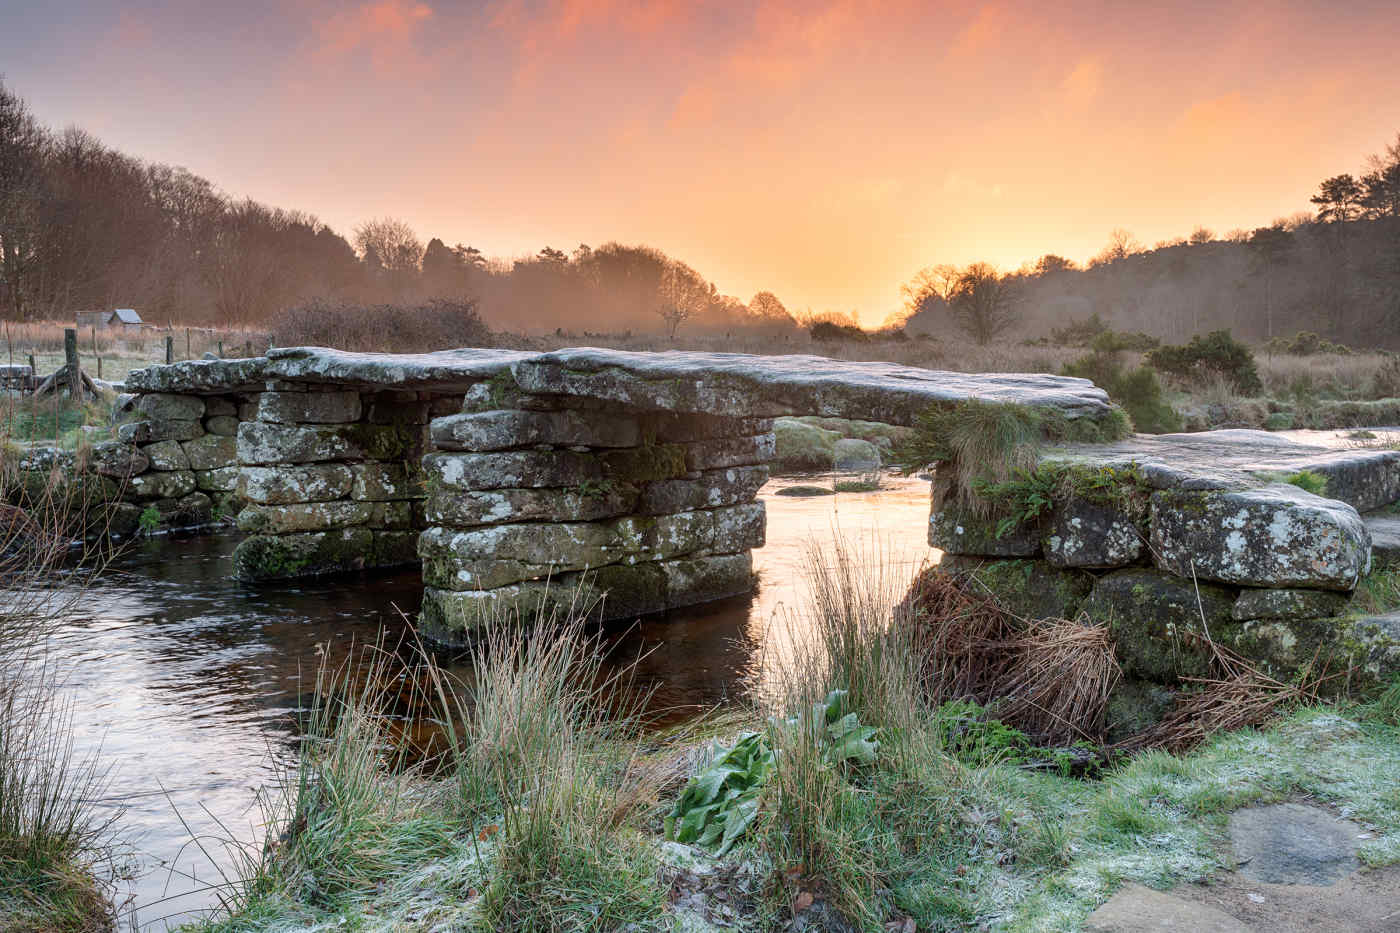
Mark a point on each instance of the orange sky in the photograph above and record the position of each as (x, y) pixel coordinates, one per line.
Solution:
(825, 150)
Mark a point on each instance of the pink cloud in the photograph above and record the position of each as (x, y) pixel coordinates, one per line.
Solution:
(377, 25)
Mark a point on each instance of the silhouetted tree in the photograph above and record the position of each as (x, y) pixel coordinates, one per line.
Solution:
(983, 302)
(1337, 199)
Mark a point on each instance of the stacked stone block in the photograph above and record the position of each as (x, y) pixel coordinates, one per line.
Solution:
(174, 461)
(564, 500)
(1267, 570)
(331, 479)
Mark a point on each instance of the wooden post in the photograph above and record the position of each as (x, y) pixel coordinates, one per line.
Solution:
(33, 367)
(221, 349)
(99, 367)
(169, 348)
(248, 349)
(94, 340)
(187, 343)
(70, 354)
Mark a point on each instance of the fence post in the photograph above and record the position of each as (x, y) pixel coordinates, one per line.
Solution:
(99, 367)
(187, 343)
(169, 348)
(70, 354)
(221, 349)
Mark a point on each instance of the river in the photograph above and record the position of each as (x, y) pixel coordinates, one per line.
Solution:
(187, 681)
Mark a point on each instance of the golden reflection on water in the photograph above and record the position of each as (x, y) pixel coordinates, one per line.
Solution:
(188, 683)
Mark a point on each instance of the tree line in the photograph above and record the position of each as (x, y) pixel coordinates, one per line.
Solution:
(1333, 270)
(83, 226)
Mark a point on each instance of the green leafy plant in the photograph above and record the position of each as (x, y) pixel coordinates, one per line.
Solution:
(721, 801)
(974, 738)
(149, 520)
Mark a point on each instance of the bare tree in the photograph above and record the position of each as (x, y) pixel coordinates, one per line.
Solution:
(984, 302)
(1121, 245)
(682, 294)
(392, 242)
(21, 152)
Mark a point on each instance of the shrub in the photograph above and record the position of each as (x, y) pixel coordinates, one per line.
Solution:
(1137, 390)
(1216, 355)
(1114, 341)
(440, 324)
(830, 331)
(1079, 333)
(1305, 343)
(1386, 382)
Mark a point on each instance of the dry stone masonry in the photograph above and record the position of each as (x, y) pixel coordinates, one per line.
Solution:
(520, 479)
(1170, 538)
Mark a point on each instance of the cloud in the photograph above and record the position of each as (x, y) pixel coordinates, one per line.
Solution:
(378, 26)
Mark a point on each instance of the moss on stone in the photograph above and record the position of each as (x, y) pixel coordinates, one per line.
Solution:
(645, 464)
(1031, 589)
(1156, 620)
(279, 557)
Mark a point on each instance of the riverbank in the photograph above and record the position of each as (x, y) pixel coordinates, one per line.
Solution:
(846, 798)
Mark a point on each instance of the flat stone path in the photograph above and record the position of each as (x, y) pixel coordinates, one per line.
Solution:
(1297, 872)
(730, 384)
(1363, 478)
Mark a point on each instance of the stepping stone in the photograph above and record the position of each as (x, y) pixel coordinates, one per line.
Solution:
(1138, 909)
(1289, 843)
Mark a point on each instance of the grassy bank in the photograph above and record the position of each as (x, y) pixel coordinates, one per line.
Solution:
(53, 836)
(847, 794)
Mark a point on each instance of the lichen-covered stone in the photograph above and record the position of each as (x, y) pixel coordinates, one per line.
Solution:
(118, 460)
(1156, 620)
(853, 455)
(394, 516)
(284, 557)
(339, 407)
(394, 548)
(1233, 459)
(160, 485)
(712, 489)
(382, 409)
(955, 530)
(376, 481)
(303, 516)
(211, 452)
(1091, 535)
(1385, 541)
(163, 406)
(518, 469)
(123, 519)
(320, 482)
(495, 555)
(1287, 604)
(619, 591)
(669, 427)
(185, 511)
(705, 579)
(503, 430)
(1134, 706)
(222, 425)
(1032, 589)
(1275, 536)
(262, 443)
(166, 455)
(149, 432)
(730, 452)
(460, 508)
(224, 479)
(216, 407)
(738, 528)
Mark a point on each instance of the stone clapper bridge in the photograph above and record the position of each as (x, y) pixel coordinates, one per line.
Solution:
(518, 477)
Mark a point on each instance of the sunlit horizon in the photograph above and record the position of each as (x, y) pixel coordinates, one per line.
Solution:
(824, 151)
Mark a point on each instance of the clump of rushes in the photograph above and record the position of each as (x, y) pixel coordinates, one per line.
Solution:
(543, 763)
(987, 443)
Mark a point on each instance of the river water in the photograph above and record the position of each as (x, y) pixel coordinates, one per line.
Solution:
(187, 681)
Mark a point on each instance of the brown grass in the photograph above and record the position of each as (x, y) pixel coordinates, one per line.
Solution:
(1050, 678)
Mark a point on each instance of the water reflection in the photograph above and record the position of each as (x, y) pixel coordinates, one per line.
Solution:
(189, 681)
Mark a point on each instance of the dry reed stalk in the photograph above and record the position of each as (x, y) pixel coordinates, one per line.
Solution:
(972, 638)
(1058, 684)
(1240, 696)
